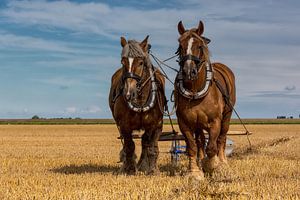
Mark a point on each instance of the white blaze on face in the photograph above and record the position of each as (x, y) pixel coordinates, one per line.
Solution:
(189, 49)
(130, 60)
(190, 44)
(130, 63)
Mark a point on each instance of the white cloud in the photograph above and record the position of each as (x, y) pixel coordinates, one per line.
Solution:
(93, 109)
(99, 18)
(62, 14)
(8, 40)
(71, 110)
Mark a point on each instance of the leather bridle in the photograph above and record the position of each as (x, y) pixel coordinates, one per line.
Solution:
(199, 63)
(152, 97)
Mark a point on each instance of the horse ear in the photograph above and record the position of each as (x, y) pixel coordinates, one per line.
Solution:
(200, 29)
(144, 44)
(181, 28)
(207, 40)
(123, 42)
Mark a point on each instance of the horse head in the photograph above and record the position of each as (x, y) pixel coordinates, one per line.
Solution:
(134, 60)
(193, 50)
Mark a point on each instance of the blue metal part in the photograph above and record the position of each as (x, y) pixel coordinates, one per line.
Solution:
(177, 149)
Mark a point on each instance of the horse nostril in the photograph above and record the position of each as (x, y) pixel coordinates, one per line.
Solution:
(128, 96)
(194, 72)
(134, 95)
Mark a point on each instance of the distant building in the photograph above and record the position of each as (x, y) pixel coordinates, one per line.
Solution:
(281, 117)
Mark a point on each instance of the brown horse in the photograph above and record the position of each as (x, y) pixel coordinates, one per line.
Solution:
(204, 96)
(137, 100)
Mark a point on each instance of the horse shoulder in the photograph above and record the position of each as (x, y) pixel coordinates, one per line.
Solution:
(226, 78)
(224, 69)
(116, 76)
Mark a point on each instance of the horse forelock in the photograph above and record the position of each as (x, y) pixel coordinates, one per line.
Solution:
(133, 49)
(189, 33)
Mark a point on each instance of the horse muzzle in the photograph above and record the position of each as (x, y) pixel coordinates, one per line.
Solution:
(190, 71)
(130, 90)
(130, 95)
(190, 65)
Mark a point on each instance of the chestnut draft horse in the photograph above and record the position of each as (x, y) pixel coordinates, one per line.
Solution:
(204, 96)
(137, 101)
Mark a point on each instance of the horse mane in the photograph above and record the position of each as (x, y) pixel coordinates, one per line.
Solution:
(134, 50)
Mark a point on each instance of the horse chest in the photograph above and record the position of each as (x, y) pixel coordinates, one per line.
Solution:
(197, 112)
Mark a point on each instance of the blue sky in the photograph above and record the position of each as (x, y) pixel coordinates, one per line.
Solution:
(57, 57)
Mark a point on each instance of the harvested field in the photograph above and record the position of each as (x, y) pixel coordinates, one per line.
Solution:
(81, 162)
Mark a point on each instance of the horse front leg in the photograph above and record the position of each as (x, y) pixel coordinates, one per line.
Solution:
(129, 163)
(193, 168)
(153, 151)
(150, 151)
(200, 141)
(143, 164)
(212, 147)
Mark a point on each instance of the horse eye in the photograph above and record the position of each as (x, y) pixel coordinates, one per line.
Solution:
(141, 63)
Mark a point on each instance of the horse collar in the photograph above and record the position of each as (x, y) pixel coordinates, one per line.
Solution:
(151, 99)
(191, 95)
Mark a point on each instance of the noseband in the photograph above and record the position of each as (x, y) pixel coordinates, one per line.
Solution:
(132, 75)
(192, 58)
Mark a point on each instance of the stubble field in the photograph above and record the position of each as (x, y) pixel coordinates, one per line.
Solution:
(81, 162)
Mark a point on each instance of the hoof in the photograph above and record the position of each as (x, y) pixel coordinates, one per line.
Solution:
(209, 165)
(223, 161)
(128, 169)
(196, 175)
(143, 166)
(130, 172)
(122, 170)
(154, 172)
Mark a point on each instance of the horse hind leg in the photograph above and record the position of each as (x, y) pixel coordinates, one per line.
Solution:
(222, 138)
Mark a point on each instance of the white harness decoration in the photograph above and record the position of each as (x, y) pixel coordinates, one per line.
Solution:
(188, 94)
